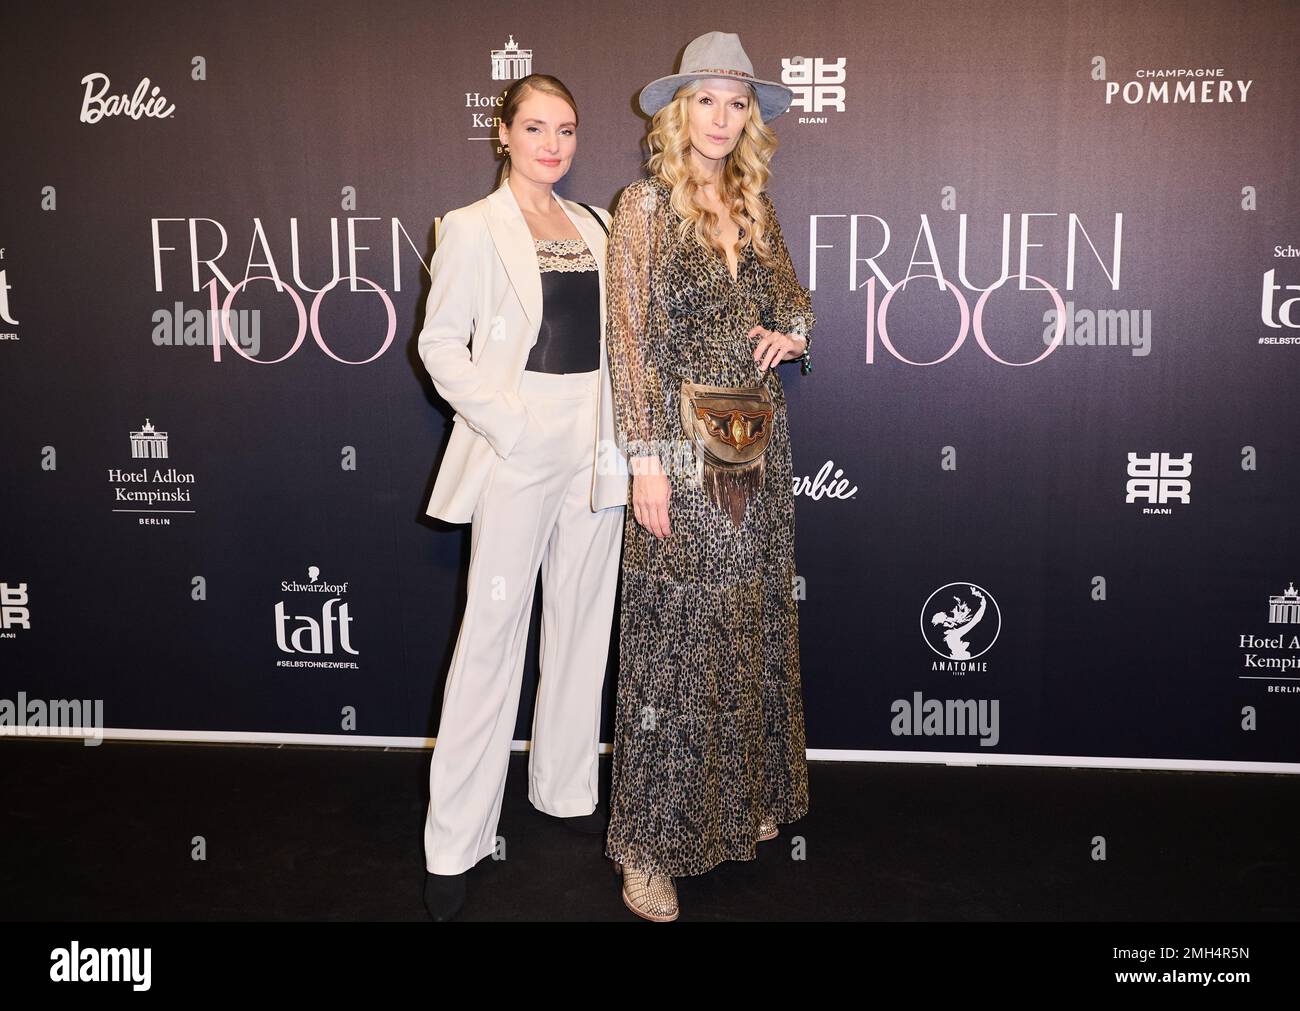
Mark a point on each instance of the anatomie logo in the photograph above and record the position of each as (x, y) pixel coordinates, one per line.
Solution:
(960, 622)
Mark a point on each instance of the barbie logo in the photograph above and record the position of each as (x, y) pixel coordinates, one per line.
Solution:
(144, 101)
(825, 484)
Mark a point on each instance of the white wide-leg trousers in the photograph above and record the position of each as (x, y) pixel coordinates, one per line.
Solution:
(535, 510)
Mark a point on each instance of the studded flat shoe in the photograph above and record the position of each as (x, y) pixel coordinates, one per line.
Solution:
(650, 896)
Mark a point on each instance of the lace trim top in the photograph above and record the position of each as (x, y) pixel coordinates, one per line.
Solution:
(563, 254)
(568, 339)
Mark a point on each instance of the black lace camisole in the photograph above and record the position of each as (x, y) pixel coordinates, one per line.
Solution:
(569, 337)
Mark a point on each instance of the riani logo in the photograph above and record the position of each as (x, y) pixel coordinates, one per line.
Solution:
(14, 612)
(817, 83)
(1159, 479)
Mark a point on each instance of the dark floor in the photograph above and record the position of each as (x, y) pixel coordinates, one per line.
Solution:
(291, 833)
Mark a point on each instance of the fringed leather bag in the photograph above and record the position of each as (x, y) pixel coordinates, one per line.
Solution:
(730, 428)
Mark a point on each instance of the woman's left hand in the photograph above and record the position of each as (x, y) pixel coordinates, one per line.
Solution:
(775, 347)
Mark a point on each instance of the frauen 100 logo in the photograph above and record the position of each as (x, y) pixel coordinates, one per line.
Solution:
(971, 319)
(308, 317)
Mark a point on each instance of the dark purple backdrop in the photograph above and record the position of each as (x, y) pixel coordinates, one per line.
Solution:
(1123, 626)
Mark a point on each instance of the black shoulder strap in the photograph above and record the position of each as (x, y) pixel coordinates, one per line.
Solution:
(599, 219)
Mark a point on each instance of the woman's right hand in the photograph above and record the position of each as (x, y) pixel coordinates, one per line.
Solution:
(650, 494)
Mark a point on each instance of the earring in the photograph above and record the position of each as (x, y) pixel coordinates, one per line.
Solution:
(506, 149)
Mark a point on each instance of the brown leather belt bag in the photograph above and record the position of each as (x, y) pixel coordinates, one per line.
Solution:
(730, 428)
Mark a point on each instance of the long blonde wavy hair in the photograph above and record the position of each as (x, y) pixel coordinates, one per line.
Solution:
(743, 178)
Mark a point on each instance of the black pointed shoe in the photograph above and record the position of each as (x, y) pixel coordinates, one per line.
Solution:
(589, 824)
(444, 894)
(595, 823)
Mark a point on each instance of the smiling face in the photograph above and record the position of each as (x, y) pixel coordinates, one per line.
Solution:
(543, 137)
(716, 117)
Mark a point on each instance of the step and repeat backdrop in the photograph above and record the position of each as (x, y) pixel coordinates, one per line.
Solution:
(1047, 460)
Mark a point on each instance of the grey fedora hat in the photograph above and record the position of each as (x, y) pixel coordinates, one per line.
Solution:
(716, 54)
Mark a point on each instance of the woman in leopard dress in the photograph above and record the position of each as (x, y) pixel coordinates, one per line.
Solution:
(709, 752)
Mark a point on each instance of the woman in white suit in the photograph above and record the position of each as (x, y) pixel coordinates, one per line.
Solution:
(514, 339)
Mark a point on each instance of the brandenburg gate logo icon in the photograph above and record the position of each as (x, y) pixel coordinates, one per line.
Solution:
(148, 443)
(511, 63)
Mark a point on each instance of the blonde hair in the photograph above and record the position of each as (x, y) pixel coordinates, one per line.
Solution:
(521, 89)
(741, 183)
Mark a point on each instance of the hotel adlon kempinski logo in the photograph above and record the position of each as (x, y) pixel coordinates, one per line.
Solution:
(509, 63)
(1275, 656)
(147, 490)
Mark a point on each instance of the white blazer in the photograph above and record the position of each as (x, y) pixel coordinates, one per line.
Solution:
(481, 320)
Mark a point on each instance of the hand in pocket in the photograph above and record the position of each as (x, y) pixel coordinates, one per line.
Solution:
(534, 431)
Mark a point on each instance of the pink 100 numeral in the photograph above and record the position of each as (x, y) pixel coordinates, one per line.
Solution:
(303, 317)
(872, 312)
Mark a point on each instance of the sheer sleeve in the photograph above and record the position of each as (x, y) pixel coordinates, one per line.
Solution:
(788, 307)
(638, 395)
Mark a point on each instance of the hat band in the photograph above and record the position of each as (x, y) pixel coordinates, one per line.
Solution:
(716, 70)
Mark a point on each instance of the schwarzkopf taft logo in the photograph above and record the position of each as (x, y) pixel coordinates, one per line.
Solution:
(324, 630)
(1276, 315)
(960, 622)
(5, 288)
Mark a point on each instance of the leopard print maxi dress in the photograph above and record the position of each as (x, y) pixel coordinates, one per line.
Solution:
(709, 732)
